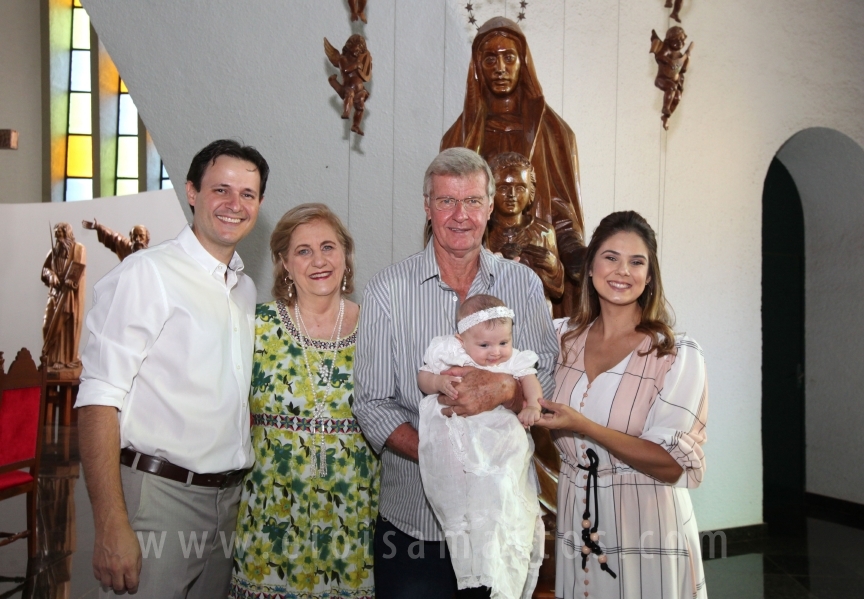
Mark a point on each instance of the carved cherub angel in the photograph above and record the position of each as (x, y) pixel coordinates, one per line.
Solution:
(675, 5)
(671, 66)
(358, 8)
(355, 64)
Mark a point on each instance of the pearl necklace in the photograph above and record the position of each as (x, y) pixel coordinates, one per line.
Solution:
(325, 371)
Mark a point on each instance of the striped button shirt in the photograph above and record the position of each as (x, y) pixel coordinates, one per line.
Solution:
(405, 306)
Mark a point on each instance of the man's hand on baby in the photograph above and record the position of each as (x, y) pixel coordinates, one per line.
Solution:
(529, 415)
(479, 391)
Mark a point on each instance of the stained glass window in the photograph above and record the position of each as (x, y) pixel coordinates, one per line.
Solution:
(79, 143)
(80, 114)
(99, 145)
(126, 170)
(164, 179)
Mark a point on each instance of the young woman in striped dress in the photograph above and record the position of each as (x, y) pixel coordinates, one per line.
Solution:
(629, 416)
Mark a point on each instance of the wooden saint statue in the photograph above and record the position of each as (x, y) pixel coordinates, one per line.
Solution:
(63, 273)
(675, 5)
(514, 231)
(505, 111)
(139, 238)
(358, 9)
(671, 66)
(355, 65)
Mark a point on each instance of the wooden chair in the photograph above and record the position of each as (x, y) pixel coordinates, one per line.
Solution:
(22, 407)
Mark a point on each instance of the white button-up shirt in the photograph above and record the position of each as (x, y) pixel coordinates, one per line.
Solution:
(171, 339)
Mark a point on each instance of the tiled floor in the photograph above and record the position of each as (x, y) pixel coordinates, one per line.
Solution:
(807, 559)
(810, 559)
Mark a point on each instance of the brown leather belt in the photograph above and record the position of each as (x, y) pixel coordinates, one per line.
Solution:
(165, 469)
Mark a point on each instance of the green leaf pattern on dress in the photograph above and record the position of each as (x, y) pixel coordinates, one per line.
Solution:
(298, 535)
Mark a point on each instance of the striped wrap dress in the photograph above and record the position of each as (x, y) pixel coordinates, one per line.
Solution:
(647, 529)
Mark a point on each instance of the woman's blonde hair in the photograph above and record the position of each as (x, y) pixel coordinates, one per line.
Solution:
(280, 241)
(657, 320)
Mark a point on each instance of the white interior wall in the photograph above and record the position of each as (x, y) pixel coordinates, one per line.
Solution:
(275, 52)
(25, 238)
(760, 73)
(21, 100)
(828, 169)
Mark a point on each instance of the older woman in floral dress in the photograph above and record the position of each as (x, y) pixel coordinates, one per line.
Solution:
(309, 505)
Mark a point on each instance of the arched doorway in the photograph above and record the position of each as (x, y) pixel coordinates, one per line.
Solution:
(825, 168)
(783, 439)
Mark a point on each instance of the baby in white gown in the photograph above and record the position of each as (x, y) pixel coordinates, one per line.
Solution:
(477, 471)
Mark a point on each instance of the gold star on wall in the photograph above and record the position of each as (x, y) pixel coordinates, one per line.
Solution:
(472, 19)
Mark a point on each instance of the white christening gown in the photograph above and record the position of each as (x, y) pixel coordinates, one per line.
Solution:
(479, 479)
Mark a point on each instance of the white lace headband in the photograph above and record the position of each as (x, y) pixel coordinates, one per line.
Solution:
(482, 316)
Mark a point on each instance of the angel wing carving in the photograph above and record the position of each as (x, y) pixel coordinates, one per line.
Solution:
(656, 42)
(331, 52)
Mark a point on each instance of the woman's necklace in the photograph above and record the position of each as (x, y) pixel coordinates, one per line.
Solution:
(325, 371)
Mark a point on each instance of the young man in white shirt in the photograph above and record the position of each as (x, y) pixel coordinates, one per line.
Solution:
(164, 414)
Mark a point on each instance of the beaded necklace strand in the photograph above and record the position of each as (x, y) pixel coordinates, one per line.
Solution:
(325, 371)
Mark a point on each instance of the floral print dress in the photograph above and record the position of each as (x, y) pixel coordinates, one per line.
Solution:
(299, 534)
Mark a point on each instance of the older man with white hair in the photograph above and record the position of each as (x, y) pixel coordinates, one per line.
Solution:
(404, 307)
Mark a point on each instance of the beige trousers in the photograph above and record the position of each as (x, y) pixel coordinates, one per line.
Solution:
(186, 536)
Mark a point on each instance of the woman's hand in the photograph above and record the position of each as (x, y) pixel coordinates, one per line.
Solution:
(643, 455)
(562, 417)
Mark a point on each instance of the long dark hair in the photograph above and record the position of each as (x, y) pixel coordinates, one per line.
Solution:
(657, 320)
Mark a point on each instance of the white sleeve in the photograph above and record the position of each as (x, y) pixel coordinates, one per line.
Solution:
(678, 418)
(522, 363)
(129, 310)
(443, 352)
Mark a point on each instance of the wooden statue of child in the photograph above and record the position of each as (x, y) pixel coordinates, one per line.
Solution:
(513, 229)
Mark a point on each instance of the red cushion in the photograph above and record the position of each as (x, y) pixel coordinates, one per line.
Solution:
(19, 424)
(14, 478)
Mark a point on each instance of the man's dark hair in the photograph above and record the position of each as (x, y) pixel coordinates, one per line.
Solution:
(226, 147)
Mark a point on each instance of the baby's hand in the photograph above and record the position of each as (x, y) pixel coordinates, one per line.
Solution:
(445, 385)
(529, 415)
